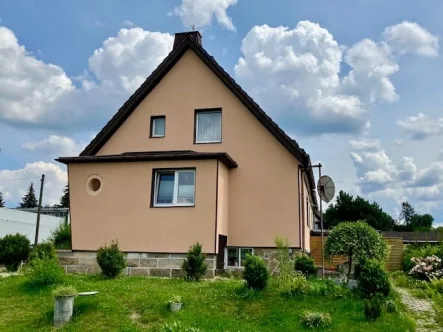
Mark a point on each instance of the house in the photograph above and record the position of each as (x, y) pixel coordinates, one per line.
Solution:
(190, 157)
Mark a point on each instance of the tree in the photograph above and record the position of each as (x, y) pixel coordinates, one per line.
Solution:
(407, 212)
(29, 200)
(413, 222)
(2, 202)
(422, 222)
(353, 209)
(357, 241)
(64, 200)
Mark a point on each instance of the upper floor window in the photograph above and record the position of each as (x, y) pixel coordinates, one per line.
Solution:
(174, 187)
(158, 126)
(208, 126)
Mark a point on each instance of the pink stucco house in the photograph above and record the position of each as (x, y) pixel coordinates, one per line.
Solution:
(189, 157)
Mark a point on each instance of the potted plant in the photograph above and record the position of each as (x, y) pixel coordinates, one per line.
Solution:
(64, 304)
(175, 303)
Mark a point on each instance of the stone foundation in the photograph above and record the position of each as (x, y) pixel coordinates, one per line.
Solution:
(138, 264)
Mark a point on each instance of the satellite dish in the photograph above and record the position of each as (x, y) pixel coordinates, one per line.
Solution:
(326, 188)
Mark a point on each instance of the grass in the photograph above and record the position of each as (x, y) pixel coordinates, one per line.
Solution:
(140, 304)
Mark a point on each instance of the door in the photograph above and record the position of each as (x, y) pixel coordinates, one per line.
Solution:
(222, 243)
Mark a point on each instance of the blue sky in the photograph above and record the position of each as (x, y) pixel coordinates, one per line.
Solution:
(357, 83)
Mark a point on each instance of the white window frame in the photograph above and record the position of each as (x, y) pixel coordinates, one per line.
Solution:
(239, 256)
(175, 193)
(153, 127)
(196, 126)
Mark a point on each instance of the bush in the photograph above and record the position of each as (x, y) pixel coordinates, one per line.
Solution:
(305, 265)
(420, 251)
(401, 279)
(316, 319)
(62, 291)
(391, 307)
(61, 236)
(437, 285)
(426, 268)
(111, 260)
(329, 288)
(255, 274)
(373, 307)
(372, 278)
(298, 285)
(44, 271)
(194, 264)
(13, 250)
(42, 250)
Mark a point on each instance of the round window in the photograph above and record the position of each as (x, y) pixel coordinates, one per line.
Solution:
(94, 185)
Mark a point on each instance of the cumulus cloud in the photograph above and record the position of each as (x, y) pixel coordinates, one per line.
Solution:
(296, 74)
(200, 13)
(409, 37)
(56, 146)
(14, 183)
(365, 144)
(421, 126)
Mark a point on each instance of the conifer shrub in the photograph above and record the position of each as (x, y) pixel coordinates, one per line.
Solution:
(194, 265)
(255, 274)
(111, 260)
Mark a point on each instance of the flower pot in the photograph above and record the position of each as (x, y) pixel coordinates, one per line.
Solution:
(63, 308)
(175, 306)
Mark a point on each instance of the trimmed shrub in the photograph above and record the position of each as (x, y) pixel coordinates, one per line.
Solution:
(42, 250)
(305, 265)
(298, 285)
(44, 271)
(255, 274)
(316, 319)
(372, 278)
(61, 236)
(373, 307)
(111, 260)
(13, 250)
(194, 265)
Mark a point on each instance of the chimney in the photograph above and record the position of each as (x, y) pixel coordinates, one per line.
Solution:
(194, 35)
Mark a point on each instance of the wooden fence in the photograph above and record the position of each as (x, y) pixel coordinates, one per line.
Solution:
(394, 262)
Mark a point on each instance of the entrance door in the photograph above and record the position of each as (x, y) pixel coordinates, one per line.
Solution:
(222, 243)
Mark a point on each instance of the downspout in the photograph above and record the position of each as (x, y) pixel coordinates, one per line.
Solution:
(300, 173)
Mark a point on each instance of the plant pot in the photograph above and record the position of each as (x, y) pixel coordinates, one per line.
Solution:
(63, 308)
(175, 306)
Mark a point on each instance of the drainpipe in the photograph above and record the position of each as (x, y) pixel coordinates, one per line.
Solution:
(300, 174)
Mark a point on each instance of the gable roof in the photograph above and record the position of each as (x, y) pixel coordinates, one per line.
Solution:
(190, 42)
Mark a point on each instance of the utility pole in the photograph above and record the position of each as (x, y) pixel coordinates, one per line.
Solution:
(37, 226)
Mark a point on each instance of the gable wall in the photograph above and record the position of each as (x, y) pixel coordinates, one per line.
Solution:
(263, 190)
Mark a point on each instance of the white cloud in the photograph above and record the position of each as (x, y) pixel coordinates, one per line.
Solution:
(409, 37)
(365, 144)
(421, 126)
(200, 13)
(14, 183)
(56, 146)
(127, 24)
(125, 61)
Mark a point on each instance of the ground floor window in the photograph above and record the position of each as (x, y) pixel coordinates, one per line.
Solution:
(235, 257)
(174, 188)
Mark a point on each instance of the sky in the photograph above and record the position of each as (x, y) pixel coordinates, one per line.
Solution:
(358, 83)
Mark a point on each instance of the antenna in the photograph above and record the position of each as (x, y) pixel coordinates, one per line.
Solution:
(326, 188)
(193, 27)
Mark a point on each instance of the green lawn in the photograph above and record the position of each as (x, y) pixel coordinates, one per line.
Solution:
(139, 304)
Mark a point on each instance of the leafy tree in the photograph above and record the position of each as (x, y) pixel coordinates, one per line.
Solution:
(422, 222)
(407, 212)
(64, 200)
(2, 202)
(413, 222)
(349, 208)
(29, 200)
(357, 241)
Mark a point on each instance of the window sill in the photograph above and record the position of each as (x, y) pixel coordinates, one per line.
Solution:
(171, 206)
(207, 142)
(156, 136)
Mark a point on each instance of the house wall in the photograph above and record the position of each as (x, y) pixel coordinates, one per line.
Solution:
(222, 200)
(122, 209)
(263, 190)
(307, 213)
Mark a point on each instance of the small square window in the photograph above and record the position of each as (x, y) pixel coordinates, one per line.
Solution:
(158, 126)
(174, 188)
(208, 126)
(235, 257)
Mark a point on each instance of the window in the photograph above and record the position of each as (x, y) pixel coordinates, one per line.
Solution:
(208, 126)
(174, 188)
(235, 257)
(158, 124)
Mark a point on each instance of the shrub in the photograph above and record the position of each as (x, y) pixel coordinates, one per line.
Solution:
(356, 240)
(177, 327)
(64, 291)
(372, 278)
(42, 250)
(255, 274)
(61, 236)
(316, 319)
(13, 250)
(391, 307)
(298, 285)
(373, 308)
(401, 279)
(328, 288)
(426, 268)
(44, 271)
(285, 266)
(437, 285)
(420, 251)
(194, 264)
(305, 265)
(111, 260)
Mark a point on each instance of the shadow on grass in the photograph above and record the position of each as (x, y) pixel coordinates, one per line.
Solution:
(33, 289)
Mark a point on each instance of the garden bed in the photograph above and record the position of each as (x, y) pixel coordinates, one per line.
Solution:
(140, 304)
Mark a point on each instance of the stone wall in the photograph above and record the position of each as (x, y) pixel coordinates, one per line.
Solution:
(138, 264)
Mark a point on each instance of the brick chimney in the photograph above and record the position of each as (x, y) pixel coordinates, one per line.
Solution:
(195, 35)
